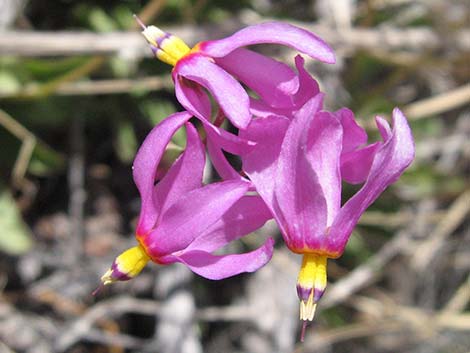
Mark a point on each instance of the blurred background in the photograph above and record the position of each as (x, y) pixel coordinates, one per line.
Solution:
(79, 90)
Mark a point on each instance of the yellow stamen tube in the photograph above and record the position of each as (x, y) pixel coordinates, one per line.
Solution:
(126, 266)
(311, 284)
(166, 47)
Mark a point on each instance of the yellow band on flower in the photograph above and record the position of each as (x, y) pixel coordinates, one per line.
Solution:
(127, 265)
(311, 284)
(167, 47)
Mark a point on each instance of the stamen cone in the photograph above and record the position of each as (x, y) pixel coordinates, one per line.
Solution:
(307, 309)
(125, 267)
(311, 284)
(166, 47)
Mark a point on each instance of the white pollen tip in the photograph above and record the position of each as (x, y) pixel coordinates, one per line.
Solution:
(307, 310)
(153, 32)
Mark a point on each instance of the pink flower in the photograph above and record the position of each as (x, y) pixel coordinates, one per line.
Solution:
(182, 220)
(297, 167)
(218, 65)
(308, 88)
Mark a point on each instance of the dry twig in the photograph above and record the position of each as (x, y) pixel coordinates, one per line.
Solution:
(364, 274)
(27, 146)
(79, 43)
(460, 299)
(439, 104)
(454, 217)
(109, 308)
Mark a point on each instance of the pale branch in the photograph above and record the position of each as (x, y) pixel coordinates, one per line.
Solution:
(438, 104)
(106, 309)
(98, 87)
(132, 44)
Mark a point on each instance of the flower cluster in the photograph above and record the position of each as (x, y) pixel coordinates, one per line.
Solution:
(295, 156)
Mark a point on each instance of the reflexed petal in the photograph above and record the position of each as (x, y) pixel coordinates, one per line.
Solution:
(354, 135)
(191, 215)
(218, 267)
(272, 32)
(261, 164)
(308, 86)
(323, 153)
(145, 166)
(394, 156)
(298, 190)
(355, 165)
(184, 175)
(260, 109)
(230, 95)
(227, 141)
(245, 216)
(193, 97)
(384, 128)
(220, 163)
(273, 81)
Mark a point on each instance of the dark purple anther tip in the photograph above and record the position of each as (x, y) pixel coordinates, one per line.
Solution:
(303, 293)
(162, 38)
(117, 275)
(317, 294)
(154, 49)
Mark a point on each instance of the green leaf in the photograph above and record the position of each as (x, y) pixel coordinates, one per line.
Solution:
(121, 67)
(100, 21)
(16, 238)
(123, 16)
(126, 142)
(45, 161)
(45, 69)
(9, 84)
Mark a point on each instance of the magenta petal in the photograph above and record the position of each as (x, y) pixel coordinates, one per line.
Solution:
(145, 166)
(273, 81)
(394, 156)
(230, 95)
(260, 109)
(220, 163)
(298, 191)
(261, 164)
(192, 214)
(193, 98)
(355, 165)
(245, 216)
(184, 175)
(354, 135)
(323, 153)
(218, 267)
(272, 32)
(227, 141)
(384, 128)
(308, 86)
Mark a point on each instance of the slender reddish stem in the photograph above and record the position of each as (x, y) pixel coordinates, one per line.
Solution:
(97, 290)
(139, 21)
(302, 333)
